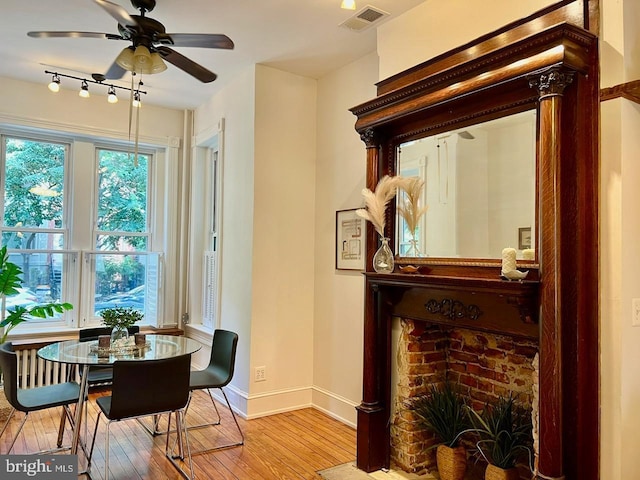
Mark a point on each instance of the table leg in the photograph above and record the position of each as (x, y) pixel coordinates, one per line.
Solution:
(79, 409)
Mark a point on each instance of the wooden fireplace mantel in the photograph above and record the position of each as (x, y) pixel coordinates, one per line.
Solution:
(490, 305)
(537, 64)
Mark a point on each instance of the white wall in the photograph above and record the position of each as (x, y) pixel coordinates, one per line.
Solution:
(36, 106)
(619, 233)
(236, 104)
(267, 232)
(339, 294)
(283, 240)
(435, 27)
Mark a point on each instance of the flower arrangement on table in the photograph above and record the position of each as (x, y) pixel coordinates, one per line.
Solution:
(120, 319)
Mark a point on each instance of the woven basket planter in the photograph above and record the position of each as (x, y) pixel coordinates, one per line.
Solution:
(496, 473)
(452, 462)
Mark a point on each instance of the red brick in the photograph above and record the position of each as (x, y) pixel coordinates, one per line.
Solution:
(463, 356)
(517, 359)
(494, 353)
(468, 380)
(504, 343)
(526, 350)
(502, 378)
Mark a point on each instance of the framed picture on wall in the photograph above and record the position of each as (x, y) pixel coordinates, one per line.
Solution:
(349, 240)
(524, 238)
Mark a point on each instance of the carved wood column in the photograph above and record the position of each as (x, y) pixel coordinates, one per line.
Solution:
(550, 84)
(373, 440)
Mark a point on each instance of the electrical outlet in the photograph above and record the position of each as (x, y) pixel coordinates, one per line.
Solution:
(635, 312)
(261, 374)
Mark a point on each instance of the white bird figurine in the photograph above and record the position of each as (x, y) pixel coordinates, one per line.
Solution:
(514, 274)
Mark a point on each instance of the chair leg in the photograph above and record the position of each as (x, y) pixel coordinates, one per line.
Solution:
(93, 442)
(202, 425)
(18, 432)
(63, 420)
(227, 445)
(180, 430)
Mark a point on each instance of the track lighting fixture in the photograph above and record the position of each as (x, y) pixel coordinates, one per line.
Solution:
(54, 85)
(111, 95)
(136, 99)
(84, 90)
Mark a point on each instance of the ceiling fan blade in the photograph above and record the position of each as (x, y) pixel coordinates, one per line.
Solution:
(117, 12)
(115, 72)
(108, 36)
(203, 40)
(189, 66)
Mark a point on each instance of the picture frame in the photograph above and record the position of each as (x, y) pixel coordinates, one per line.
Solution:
(350, 240)
(524, 238)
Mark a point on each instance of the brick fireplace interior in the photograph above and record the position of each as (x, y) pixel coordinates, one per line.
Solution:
(483, 365)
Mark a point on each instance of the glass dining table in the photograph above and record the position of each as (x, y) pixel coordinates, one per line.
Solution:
(87, 353)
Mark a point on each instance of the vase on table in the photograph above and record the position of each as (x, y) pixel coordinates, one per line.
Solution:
(383, 259)
(413, 250)
(119, 335)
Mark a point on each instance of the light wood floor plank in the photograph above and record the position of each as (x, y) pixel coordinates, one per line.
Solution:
(288, 446)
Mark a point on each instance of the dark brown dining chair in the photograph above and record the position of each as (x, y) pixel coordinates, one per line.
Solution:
(148, 387)
(218, 374)
(97, 375)
(29, 400)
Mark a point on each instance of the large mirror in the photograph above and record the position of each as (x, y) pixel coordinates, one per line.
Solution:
(479, 190)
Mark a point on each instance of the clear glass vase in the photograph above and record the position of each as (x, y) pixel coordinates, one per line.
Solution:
(119, 335)
(413, 250)
(383, 258)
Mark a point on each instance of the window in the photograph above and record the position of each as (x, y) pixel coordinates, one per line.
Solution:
(33, 218)
(122, 232)
(52, 217)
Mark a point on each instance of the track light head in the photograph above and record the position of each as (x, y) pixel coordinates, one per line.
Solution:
(111, 95)
(54, 86)
(84, 90)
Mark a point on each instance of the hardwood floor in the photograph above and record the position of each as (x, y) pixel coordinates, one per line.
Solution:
(293, 445)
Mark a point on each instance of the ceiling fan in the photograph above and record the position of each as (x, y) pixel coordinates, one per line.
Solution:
(149, 43)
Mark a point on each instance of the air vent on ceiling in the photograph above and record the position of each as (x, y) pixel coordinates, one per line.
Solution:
(364, 18)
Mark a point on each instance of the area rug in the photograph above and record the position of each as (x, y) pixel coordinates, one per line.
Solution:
(347, 471)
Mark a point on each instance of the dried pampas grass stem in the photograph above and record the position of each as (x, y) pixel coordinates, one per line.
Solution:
(376, 202)
(410, 210)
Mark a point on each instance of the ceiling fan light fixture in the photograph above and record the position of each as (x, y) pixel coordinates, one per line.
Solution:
(54, 86)
(157, 64)
(348, 4)
(142, 59)
(84, 90)
(111, 95)
(125, 59)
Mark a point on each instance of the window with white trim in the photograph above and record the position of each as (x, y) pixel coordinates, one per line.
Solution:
(48, 228)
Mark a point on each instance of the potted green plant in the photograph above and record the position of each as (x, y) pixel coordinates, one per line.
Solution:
(442, 410)
(505, 436)
(120, 319)
(10, 281)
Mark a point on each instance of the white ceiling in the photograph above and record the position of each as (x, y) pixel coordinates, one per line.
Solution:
(299, 36)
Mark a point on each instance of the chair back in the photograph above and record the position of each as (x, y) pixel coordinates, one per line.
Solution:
(9, 367)
(150, 386)
(91, 334)
(223, 355)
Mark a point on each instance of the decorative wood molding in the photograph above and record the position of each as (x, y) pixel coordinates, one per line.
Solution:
(629, 91)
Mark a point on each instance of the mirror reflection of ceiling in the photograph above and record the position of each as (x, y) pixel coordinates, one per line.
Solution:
(479, 189)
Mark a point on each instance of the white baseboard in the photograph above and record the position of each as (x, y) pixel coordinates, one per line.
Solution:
(281, 401)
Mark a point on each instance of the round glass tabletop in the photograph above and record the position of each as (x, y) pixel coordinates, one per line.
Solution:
(88, 353)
